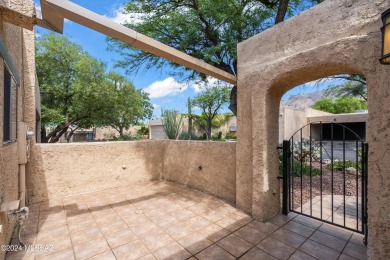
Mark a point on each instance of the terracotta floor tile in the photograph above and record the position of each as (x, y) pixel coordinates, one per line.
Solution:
(179, 230)
(120, 237)
(108, 255)
(141, 230)
(66, 254)
(183, 214)
(155, 239)
(266, 227)
(318, 251)
(195, 243)
(256, 253)
(85, 235)
(197, 223)
(132, 250)
(288, 237)
(298, 255)
(52, 234)
(172, 252)
(165, 221)
(155, 213)
(102, 211)
(45, 225)
(136, 220)
(214, 252)
(355, 251)
(91, 248)
(199, 208)
(335, 243)
(148, 257)
(276, 248)
(82, 217)
(76, 226)
(234, 245)
(214, 232)
(251, 234)
(111, 227)
(20, 255)
(58, 244)
(213, 215)
(299, 228)
(230, 224)
(110, 217)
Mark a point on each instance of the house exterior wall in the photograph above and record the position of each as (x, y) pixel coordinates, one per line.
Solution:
(342, 37)
(60, 170)
(19, 44)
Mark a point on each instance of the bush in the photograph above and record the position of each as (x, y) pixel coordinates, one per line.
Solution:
(127, 137)
(188, 136)
(230, 136)
(339, 165)
(296, 168)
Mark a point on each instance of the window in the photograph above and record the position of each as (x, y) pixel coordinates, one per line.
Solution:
(10, 107)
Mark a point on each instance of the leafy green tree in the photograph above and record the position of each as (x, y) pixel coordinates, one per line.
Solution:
(356, 86)
(73, 92)
(171, 121)
(340, 105)
(129, 106)
(210, 101)
(207, 30)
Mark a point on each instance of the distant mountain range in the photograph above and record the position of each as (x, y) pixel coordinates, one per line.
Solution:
(302, 101)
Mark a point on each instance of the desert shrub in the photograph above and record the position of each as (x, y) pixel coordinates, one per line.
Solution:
(296, 168)
(339, 165)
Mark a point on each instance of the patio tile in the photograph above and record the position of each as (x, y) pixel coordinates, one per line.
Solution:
(346, 257)
(155, 213)
(266, 227)
(195, 243)
(288, 237)
(82, 217)
(45, 225)
(197, 223)
(214, 232)
(335, 231)
(298, 255)
(183, 214)
(310, 222)
(136, 219)
(110, 217)
(199, 208)
(357, 239)
(111, 227)
(120, 237)
(20, 255)
(214, 252)
(52, 234)
(256, 253)
(276, 248)
(75, 226)
(103, 211)
(173, 251)
(234, 245)
(108, 255)
(179, 230)
(82, 236)
(91, 248)
(165, 221)
(230, 224)
(147, 257)
(132, 250)
(279, 220)
(213, 215)
(355, 251)
(299, 228)
(250, 234)
(58, 244)
(155, 239)
(319, 251)
(330, 241)
(143, 229)
(66, 254)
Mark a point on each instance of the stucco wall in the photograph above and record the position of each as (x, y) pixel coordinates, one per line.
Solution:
(207, 166)
(59, 170)
(335, 37)
(20, 46)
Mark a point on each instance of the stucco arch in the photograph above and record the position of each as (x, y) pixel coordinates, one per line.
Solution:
(334, 37)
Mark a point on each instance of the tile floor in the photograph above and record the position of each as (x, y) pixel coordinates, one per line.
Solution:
(164, 220)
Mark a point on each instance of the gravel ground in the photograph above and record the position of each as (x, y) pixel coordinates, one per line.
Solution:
(338, 185)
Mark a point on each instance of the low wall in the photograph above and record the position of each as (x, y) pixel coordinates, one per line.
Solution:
(59, 170)
(207, 166)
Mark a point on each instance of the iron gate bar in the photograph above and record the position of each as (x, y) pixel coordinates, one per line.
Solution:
(344, 174)
(357, 184)
(331, 152)
(310, 154)
(321, 166)
(301, 169)
(291, 202)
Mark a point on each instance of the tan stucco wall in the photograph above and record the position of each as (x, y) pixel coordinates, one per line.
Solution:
(217, 176)
(59, 170)
(341, 37)
(20, 46)
(18, 12)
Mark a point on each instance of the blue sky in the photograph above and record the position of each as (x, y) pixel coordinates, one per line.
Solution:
(165, 91)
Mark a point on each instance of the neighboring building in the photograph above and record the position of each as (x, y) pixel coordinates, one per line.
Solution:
(98, 134)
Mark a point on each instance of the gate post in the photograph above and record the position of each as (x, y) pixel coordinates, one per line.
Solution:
(286, 176)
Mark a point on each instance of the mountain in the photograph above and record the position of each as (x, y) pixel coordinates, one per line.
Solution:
(302, 101)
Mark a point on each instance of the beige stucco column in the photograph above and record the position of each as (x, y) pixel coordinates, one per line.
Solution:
(335, 37)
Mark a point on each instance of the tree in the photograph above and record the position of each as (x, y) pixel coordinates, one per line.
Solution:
(129, 106)
(356, 86)
(207, 30)
(210, 101)
(340, 105)
(72, 87)
(171, 121)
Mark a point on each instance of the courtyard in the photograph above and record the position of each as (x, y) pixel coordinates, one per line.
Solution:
(166, 220)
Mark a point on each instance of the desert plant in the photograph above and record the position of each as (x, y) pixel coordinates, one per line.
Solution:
(302, 150)
(171, 121)
(339, 165)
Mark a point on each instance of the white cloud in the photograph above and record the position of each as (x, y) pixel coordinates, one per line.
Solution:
(210, 82)
(120, 16)
(155, 106)
(166, 87)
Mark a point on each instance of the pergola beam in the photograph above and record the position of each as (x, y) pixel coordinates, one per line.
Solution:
(54, 12)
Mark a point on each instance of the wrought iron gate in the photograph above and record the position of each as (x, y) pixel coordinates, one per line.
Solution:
(326, 178)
